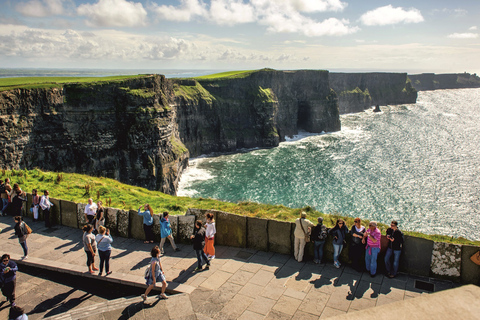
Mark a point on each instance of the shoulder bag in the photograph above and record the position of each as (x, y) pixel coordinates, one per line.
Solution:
(307, 234)
(476, 258)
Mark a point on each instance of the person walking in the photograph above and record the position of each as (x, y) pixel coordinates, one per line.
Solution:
(302, 228)
(372, 238)
(90, 247)
(35, 204)
(22, 230)
(395, 245)
(147, 222)
(210, 231)
(199, 244)
(166, 232)
(104, 244)
(339, 233)
(90, 211)
(155, 273)
(356, 246)
(8, 278)
(319, 235)
(45, 204)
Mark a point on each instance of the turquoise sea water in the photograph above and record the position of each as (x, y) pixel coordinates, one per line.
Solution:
(418, 164)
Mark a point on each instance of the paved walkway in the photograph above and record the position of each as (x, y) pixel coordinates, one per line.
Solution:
(241, 284)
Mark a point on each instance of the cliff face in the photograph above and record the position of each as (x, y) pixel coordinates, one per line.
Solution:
(257, 110)
(359, 91)
(431, 81)
(125, 130)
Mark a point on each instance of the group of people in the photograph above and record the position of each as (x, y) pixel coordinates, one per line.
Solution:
(203, 244)
(363, 241)
(14, 197)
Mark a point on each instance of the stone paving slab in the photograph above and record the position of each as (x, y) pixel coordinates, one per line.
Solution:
(241, 283)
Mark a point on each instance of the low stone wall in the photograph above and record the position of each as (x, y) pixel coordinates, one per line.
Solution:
(420, 256)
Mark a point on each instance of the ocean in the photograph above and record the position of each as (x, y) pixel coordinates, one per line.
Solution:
(418, 164)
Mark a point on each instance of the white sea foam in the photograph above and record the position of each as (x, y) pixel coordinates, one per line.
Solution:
(192, 174)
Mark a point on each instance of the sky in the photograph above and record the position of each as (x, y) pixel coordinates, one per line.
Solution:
(363, 35)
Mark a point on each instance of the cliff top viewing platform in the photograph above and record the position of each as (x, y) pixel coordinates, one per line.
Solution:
(241, 284)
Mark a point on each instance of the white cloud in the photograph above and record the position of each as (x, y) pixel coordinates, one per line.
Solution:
(472, 28)
(389, 15)
(231, 12)
(463, 35)
(114, 13)
(185, 12)
(281, 16)
(41, 8)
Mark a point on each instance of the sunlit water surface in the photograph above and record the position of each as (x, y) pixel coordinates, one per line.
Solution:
(417, 163)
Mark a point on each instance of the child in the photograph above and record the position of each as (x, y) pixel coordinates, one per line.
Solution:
(209, 236)
(166, 232)
(198, 244)
(155, 274)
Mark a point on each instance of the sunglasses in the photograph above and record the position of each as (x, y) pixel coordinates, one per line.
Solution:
(6, 260)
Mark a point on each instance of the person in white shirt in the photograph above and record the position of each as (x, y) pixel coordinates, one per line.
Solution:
(90, 211)
(210, 231)
(45, 204)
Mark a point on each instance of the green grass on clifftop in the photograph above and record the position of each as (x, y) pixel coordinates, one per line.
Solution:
(54, 82)
(78, 188)
(227, 74)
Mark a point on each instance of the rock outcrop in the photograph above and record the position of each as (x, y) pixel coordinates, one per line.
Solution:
(125, 130)
(257, 109)
(431, 81)
(360, 91)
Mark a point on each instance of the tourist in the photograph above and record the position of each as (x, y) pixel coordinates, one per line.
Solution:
(8, 276)
(16, 199)
(104, 244)
(147, 222)
(302, 231)
(45, 204)
(210, 231)
(395, 244)
(99, 215)
(166, 232)
(198, 245)
(90, 211)
(357, 248)
(155, 273)
(5, 195)
(339, 233)
(22, 231)
(90, 247)
(17, 313)
(319, 235)
(35, 204)
(372, 237)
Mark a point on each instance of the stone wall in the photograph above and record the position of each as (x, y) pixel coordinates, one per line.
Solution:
(420, 256)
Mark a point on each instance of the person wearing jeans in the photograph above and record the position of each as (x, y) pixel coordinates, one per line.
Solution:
(395, 244)
(372, 238)
(338, 233)
(104, 245)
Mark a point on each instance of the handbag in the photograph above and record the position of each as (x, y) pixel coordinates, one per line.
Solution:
(476, 258)
(307, 234)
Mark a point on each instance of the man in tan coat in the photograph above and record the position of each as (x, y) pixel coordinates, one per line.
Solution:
(302, 227)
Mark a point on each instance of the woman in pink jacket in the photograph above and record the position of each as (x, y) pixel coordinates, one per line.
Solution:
(372, 238)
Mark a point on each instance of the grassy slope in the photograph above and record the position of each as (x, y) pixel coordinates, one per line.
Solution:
(72, 187)
(52, 82)
(228, 74)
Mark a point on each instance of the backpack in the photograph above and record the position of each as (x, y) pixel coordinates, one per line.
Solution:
(148, 272)
(2, 188)
(323, 233)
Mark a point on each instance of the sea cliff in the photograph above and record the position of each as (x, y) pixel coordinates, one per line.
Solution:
(360, 91)
(431, 81)
(124, 130)
(142, 130)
